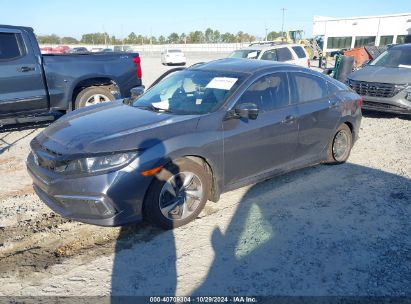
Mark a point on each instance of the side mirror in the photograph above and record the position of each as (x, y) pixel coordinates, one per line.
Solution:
(137, 92)
(247, 110)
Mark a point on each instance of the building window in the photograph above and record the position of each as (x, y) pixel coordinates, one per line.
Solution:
(339, 42)
(385, 40)
(364, 41)
(404, 39)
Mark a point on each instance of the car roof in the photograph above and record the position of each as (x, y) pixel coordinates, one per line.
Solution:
(241, 65)
(401, 46)
(15, 27)
(262, 47)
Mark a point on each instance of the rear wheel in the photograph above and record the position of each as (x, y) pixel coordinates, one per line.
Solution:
(177, 194)
(340, 146)
(93, 95)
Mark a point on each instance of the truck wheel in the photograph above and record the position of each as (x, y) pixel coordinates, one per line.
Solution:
(92, 96)
(177, 194)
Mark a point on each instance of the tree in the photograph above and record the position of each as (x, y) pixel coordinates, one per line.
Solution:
(69, 40)
(183, 38)
(273, 35)
(132, 38)
(173, 38)
(196, 37)
(161, 39)
(216, 36)
(228, 38)
(48, 39)
(209, 35)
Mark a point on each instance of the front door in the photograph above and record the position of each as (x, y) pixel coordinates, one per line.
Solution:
(256, 146)
(21, 83)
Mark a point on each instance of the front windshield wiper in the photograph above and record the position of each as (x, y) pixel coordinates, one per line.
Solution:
(154, 109)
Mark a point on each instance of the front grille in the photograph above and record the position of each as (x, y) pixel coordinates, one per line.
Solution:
(45, 158)
(375, 89)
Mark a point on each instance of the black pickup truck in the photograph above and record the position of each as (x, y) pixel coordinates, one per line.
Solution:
(34, 87)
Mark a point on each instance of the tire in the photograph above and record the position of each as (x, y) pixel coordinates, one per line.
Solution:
(159, 195)
(85, 97)
(336, 154)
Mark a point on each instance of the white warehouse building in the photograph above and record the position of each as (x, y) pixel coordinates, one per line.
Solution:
(352, 32)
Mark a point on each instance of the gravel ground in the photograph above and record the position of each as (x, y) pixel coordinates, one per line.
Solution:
(325, 230)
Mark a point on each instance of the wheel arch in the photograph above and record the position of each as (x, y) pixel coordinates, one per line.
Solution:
(108, 82)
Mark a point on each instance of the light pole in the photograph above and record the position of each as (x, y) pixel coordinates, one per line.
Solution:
(282, 26)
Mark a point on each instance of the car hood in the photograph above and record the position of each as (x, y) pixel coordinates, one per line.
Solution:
(112, 127)
(372, 73)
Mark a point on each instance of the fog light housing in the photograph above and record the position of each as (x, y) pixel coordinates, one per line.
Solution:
(86, 205)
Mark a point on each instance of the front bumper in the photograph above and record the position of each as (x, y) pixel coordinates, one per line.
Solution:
(398, 104)
(111, 199)
(386, 106)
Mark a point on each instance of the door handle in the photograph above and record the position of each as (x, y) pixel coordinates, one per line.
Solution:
(288, 119)
(26, 69)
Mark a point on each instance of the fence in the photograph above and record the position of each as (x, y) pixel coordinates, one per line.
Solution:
(157, 48)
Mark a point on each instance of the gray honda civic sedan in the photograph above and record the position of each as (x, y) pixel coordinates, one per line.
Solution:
(195, 134)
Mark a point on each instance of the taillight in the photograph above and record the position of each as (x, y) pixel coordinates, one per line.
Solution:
(360, 102)
(309, 63)
(137, 61)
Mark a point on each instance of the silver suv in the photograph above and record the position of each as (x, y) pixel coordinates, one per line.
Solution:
(385, 83)
(288, 53)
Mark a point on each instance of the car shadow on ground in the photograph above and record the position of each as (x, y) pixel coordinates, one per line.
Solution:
(6, 131)
(326, 230)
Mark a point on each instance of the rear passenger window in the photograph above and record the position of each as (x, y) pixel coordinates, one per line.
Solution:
(299, 51)
(269, 55)
(308, 88)
(11, 46)
(268, 93)
(284, 54)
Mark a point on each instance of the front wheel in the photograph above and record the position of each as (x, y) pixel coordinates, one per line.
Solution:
(340, 146)
(177, 194)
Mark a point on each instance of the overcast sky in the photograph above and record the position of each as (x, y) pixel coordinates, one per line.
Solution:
(161, 17)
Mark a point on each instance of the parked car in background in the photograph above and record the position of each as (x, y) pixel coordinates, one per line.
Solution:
(78, 50)
(46, 50)
(107, 50)
(197, 133)
(385, 83)
(33, 86)
(95, 50)
(61, 49)
(288, 53)
(173, 56)
(123, 48)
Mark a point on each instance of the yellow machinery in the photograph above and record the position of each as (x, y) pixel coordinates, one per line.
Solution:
(296, 36)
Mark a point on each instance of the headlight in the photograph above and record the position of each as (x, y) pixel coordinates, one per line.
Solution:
(95, 164)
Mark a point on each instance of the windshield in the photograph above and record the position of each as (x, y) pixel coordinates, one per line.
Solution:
(394, 58)
(251, 54)
(190, 92)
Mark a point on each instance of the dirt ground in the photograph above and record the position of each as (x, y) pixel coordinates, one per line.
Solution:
(325, 230)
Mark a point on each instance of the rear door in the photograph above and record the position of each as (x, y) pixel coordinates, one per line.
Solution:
(253, 147)
(284, 55)
(301, 56)
(21, 82)
(318, 114)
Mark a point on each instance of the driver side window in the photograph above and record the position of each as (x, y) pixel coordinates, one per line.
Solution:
(268, 93)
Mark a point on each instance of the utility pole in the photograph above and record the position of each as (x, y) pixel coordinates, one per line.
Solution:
(282, 26)
(266, 33)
